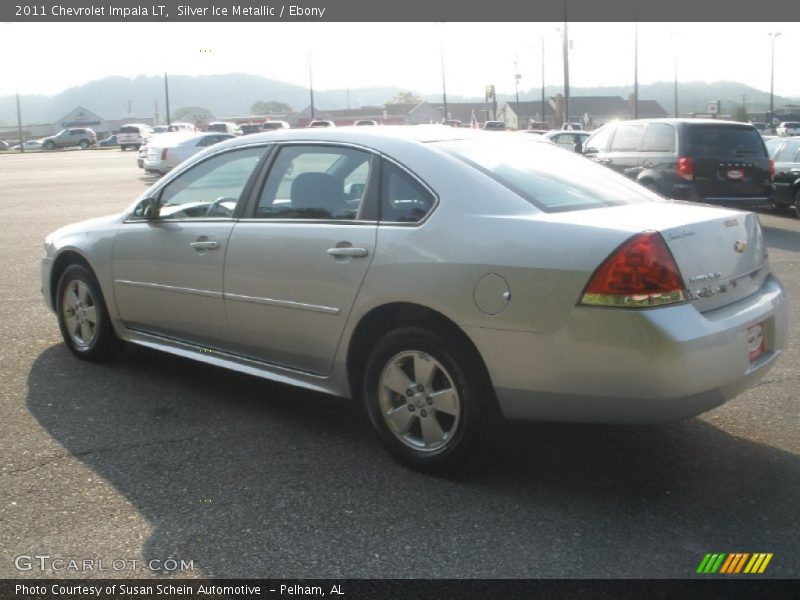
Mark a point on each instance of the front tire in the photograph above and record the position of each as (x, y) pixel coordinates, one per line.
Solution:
(797, 201)
(83, 316)
(426, 398)
(49, 146)
(84, 144)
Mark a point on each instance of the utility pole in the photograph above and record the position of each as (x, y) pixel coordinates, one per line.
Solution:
(774, 37)
(166, 95)
(19, 126)
(517, 77)
(544, 120)
(675, 91)
(155, 114)
(566, 68)
(311, 87)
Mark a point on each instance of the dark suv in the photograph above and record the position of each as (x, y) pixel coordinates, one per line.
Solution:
(66, 138)
(703, 160)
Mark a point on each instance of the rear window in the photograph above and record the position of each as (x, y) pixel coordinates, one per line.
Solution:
(217, 127)
(546, 176)
(720, 140)
(129, 129)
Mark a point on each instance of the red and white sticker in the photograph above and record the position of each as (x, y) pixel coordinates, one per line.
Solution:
(756, 341)
(735, 174)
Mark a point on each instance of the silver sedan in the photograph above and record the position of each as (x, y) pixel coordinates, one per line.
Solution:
(440, 275)
(166, 151)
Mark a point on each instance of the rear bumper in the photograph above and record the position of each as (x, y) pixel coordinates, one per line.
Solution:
(649, 366)
(687, 191)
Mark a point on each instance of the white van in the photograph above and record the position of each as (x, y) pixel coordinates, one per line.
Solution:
(224, 127)
(133, 135)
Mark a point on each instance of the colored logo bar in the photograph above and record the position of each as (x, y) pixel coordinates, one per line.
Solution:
(734, 563)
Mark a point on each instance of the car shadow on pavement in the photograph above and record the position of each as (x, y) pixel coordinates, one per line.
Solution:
(253, 479)
(782, 239)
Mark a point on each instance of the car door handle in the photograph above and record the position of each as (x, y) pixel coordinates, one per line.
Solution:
(348, 251)
(205, 245)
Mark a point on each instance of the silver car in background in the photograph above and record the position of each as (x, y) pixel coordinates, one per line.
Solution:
(167, 150)
(440, 275)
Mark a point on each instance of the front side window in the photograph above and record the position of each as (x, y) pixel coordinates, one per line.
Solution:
(315, 182)
(598, 141)
(627, 138)
(212, 188)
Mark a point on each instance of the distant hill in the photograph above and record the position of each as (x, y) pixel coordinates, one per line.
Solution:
(233, 94)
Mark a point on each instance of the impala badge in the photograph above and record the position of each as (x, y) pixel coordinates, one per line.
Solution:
(740, 246)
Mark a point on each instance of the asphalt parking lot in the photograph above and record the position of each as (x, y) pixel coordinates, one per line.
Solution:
(154, 457)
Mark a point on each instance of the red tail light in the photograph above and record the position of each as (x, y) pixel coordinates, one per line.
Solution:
(640, 273)
(771, 170)
(686, 168)
(164, 154)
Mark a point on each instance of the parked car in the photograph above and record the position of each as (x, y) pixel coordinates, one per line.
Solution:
(702, 160)
(29, 145)
(572, 127)
(571, 140)
(133, 135)
(181, 127)
(452, 123)
(66, 138)
(271, 125)
(142, 155)
(365, 122)
(321, 123)
(494, 126)
(250, 128)
(788, 128)
(787, 173)
(109, 142)
(168, 150)
(224, 127)
(578, 295)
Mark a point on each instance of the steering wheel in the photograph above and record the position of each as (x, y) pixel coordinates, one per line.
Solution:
(218, 209)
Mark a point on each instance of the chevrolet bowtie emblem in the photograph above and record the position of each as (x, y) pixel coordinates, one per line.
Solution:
(740, 246)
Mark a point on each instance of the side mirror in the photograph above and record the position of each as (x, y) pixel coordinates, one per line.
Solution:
(588, 150)
(147, 209)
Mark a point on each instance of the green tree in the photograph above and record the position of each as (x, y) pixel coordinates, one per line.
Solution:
(405, 98)
(270, 107)
(739, 114)
(192, 114)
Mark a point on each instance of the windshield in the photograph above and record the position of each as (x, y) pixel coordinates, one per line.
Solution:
(549, 177)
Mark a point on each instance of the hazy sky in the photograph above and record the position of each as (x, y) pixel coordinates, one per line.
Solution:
(55, 56)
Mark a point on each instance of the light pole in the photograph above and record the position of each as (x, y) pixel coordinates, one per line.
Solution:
(566, 68)
(311, 86)
(636, 71)
(166, 97)
(444, 87)
(774, 37)
(19, 126)
(517, 77)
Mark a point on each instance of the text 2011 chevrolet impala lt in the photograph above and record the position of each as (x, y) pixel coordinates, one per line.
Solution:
(439, 274)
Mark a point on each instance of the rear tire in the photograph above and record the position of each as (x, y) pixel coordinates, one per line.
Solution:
(427, 398)
(49, 146)
(84, 144)
(83, 316)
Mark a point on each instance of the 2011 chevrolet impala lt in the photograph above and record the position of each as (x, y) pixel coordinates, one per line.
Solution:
(441, 275)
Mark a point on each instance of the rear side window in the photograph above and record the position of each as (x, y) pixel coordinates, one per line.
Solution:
(627, 138)
(719, 140)
(659, 137)
(789, 153)
(403, 199)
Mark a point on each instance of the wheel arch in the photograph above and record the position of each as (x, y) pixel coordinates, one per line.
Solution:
(62, 261)
(387, 317)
